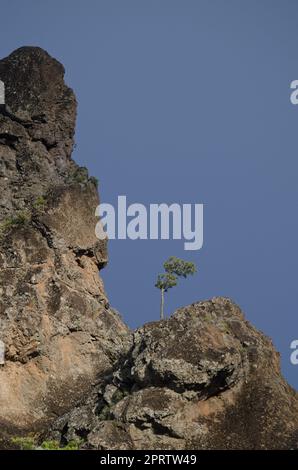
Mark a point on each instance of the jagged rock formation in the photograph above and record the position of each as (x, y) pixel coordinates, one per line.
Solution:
(58, 329)
(203, 379)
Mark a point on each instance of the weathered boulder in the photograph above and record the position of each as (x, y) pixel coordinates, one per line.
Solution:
(55, 321)
(203, 379)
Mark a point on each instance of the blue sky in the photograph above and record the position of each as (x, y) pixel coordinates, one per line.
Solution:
(187, 101)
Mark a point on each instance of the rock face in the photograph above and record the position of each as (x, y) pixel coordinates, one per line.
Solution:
(55, 322)
(204, 379)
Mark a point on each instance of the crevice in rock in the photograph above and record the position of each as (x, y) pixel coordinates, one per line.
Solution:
(44, 231)
(158, 428)
(79, 252)
(63, 439)
(5, 111)
(9, 140)
(45, 143)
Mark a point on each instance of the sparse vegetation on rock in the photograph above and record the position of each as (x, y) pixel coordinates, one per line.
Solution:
(55, 321)
(174, 268)
(202, 379)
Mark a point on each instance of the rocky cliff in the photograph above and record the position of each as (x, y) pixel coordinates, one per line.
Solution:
(55, 322)
(203, 379)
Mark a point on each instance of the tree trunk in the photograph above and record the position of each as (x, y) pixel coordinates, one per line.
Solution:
(162, 305)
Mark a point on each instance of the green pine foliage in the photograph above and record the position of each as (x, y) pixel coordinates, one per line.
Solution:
(174, 268)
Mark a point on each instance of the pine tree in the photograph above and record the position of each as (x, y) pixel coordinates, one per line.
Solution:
(174, 268)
